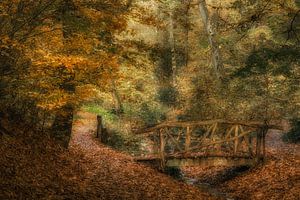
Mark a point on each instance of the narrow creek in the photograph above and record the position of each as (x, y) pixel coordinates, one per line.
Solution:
(212, 189)
(206, 187)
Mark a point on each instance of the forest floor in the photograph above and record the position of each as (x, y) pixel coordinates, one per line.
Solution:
(278, 178)
(114, 175)
(33, 167)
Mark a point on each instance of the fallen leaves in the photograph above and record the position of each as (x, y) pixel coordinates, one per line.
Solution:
(40, 169)
(278, 178)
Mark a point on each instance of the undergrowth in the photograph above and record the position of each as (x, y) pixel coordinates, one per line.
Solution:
(293, 136)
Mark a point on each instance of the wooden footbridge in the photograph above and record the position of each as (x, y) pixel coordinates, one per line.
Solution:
(175, 142)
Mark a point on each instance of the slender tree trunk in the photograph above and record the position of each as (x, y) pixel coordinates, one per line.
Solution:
(216, 58)
(187, 29)
(116, 95)
(172, 47)
(62, 125)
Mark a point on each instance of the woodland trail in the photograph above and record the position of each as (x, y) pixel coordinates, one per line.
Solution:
(275, 145)
(114, 175)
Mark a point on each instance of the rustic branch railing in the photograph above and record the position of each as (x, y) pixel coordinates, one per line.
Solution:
(205, 138)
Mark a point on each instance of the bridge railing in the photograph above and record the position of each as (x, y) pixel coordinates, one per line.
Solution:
(208, 138)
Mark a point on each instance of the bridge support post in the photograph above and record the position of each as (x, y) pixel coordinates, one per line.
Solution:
(188, 138)
(260, 144)
(162, 150)
(236, 141)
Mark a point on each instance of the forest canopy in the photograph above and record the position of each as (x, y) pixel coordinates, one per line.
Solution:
(149, 99)
(148, 60)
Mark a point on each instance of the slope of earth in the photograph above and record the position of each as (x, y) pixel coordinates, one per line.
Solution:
(278, 178)
(34, 167)
(114, 175)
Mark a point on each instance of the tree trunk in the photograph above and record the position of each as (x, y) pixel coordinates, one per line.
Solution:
(99, 127)
(172, 47)
(187, 29)
(62, 126)
(216, 58)
(116, 95)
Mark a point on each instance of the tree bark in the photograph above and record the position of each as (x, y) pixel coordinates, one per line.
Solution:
(172, 47)
(216, 57)
(187, 29)
(62, 125)
(116, 95)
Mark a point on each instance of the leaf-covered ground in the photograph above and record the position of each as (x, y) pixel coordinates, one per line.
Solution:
(278, 178)
(35, 168)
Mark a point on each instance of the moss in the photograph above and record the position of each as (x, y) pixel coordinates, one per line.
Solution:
(98, 110)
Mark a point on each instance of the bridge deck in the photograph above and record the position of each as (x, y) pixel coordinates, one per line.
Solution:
(190, 156)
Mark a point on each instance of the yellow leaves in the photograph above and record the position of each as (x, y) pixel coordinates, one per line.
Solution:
(92, 14)
(53, 61)
(261, 32)
(54, 99)
(80, 43)
(6, 42)
(86, 92)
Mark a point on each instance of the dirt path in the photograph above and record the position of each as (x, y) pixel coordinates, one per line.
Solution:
(275, 145)
(113, 175)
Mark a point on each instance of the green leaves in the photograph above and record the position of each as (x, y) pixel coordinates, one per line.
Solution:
(269, 61)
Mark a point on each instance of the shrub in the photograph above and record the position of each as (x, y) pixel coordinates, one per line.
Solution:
(150, 116)
(293, 136)
(124, 142)
(168, 96)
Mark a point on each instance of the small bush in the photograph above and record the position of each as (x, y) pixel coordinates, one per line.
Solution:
(150, 116)
(293, 136)
(124, 142)
(168, 96)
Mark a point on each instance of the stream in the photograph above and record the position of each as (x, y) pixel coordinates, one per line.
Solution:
(178, 174)
(206, 187)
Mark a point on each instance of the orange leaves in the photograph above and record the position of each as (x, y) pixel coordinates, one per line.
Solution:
(57, 52)
(86, 92)
(54, 100)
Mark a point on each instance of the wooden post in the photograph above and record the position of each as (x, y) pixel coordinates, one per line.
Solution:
(162, 150)
(236, 141)
(187, 138)
(264, 133)
(258, 145)
(250, 147)
(99, 127)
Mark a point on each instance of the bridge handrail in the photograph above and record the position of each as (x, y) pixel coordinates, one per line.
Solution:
(254, 124)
